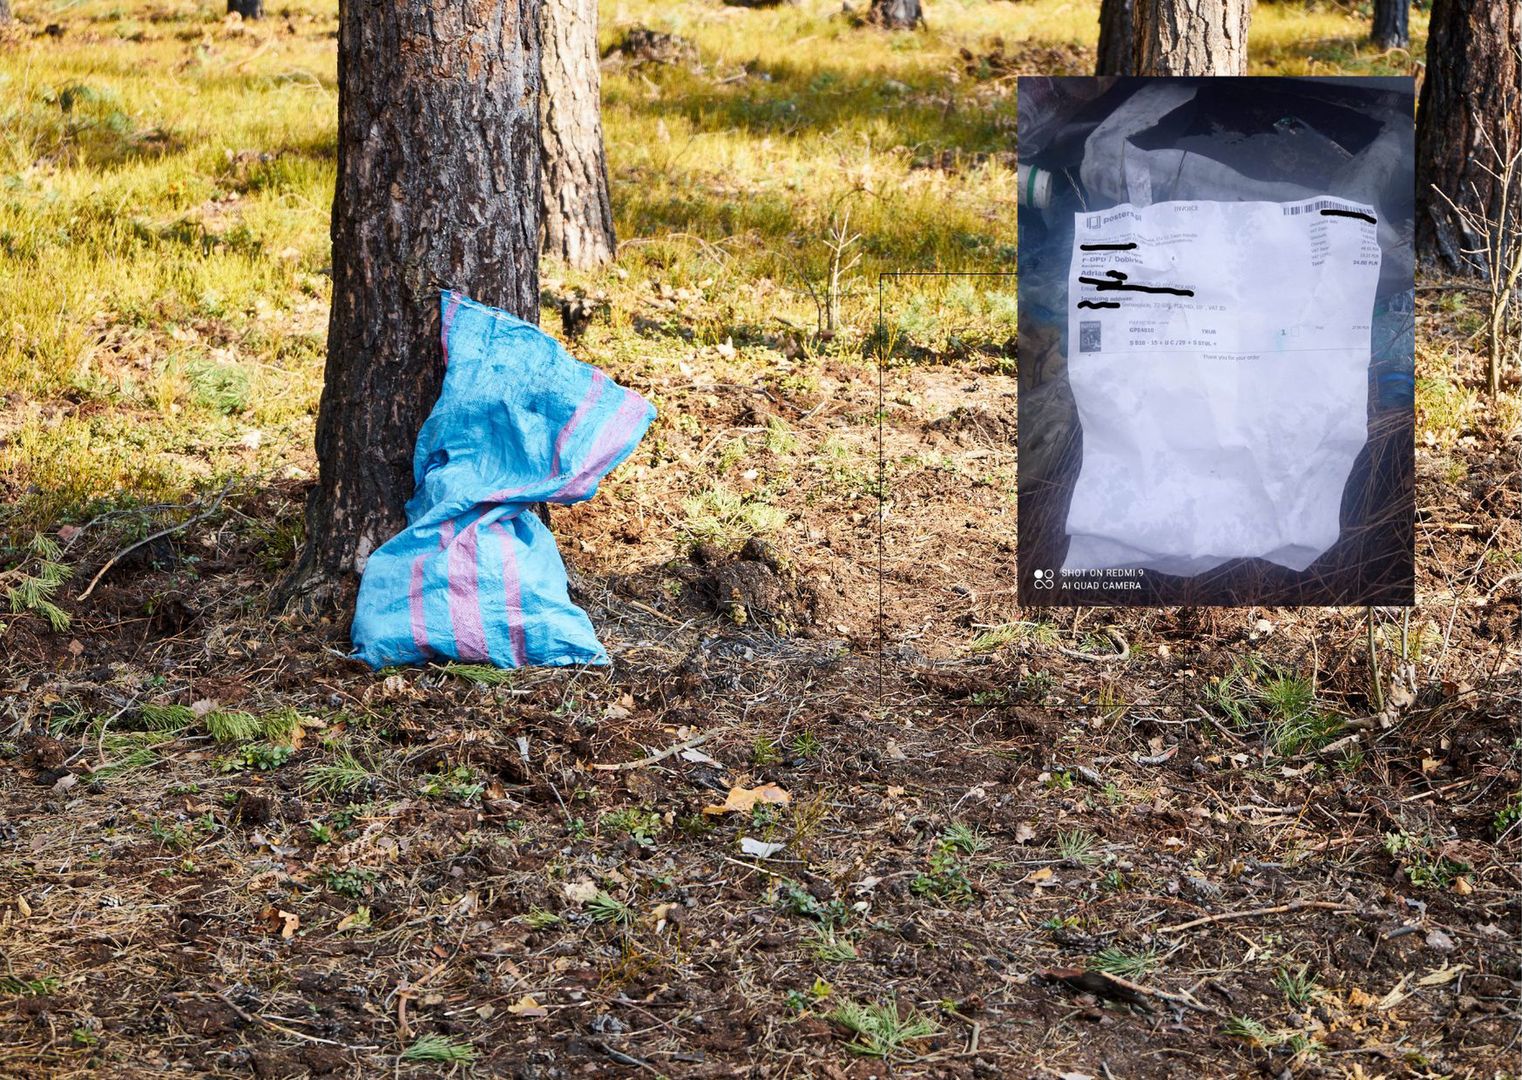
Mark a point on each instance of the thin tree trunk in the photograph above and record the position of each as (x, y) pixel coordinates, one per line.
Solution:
(895, 14)
(1391, 24)
(1114, 38)
(1190, 37)
(5, 12)
(249, 9)
(438, 180)
(1473, 83)
(576, 212)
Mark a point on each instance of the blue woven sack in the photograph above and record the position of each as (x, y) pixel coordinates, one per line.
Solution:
(476, 576)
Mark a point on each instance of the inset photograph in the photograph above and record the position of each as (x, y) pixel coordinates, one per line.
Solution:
(1216, 341)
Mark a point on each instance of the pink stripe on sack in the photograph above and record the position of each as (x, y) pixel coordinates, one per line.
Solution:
(449, 314)
(415, 593)
(612, 441)
(464, 600)
(415, 602)
(588, 403)
(513, 593)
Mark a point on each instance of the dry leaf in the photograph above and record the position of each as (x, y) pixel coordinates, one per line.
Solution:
(1038, 877)
(526, 1006)
(698, 757)
(759, 848)
(358, 919)
(291, 922)
(23, 907)
(580, 891)
(1442, 975)
(1024, 834)
(742, 799)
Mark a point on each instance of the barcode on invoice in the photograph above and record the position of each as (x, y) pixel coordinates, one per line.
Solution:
(1319, 205)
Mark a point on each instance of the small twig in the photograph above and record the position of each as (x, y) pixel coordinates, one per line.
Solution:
(1186, 1000)
(1277, 909)
(685, 744)
(129, 549)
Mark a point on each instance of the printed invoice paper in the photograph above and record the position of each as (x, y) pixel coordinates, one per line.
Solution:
(1218, 354)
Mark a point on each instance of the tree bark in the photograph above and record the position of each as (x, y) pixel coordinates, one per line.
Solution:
(576, 222)
(1190, 37)
(249, 9)
(1391, 24)
(895, 14)
(1114, 38)
(1473, 86)
(438, 179)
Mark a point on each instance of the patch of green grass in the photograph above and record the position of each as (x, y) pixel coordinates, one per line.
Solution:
(968, 839)
(1422, 861)
(796, 900)
(1078, 846)
(344, 775)
(127, 752)
(32, 582)
(353, 881)
(763, 751)
(805, 745)
(480, 674)
(609, 909)
(461, 784)
(727, 517)
(832, 947)
(20, 987)
(1128, 965)
(1249, 1029)
(1298, 987)
(437, 1049)
(944, 880)
(232, 726)
(1508, 815)
(881, 1029)
(260, 756)
(640, 823)
(539, 919)
(1282, 704)
(169, 719)
(1016, 633)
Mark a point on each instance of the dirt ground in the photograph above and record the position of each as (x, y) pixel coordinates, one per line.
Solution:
(521, 877)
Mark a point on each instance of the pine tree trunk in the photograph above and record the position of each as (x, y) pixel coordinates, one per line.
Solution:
(438, 180)
(249, 9)
(1114, 38)
(1190, 37)
(1473, 84)
(895, 14)
(576, 213)
(1391, 24)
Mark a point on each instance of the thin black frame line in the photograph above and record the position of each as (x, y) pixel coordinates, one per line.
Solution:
(882, 469)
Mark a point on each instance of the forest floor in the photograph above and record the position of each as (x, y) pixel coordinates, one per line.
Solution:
(840, 807)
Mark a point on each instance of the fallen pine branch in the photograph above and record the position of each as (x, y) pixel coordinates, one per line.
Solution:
(1102, 984)
(685, 744)
(130, 548)
(1277, 909)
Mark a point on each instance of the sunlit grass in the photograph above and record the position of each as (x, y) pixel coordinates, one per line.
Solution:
(165, 186)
